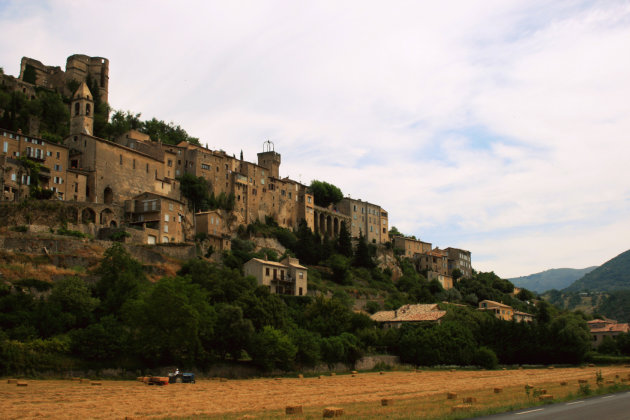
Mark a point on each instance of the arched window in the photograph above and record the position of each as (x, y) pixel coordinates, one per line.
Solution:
(87, 109)
(76, 108)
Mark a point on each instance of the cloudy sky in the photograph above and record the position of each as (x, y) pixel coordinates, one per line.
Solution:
(501, 127)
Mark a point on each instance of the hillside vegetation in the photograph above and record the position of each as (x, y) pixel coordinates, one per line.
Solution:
(612, 275)
(556, 278)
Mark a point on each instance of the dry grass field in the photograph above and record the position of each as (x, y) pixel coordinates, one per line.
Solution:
(419, 394)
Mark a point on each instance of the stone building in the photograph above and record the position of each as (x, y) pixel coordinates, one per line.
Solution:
(410, 246)
(213, 224)
(52, 157)
(459, 259)
(601, 328)
(286, 277)
(409, 314)
(368, 220)
(78, 68)
(504, 312)
(162, 218)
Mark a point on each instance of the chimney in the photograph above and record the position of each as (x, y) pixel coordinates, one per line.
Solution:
(266, 257)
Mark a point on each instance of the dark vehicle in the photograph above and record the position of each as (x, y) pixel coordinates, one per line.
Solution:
(181, 378)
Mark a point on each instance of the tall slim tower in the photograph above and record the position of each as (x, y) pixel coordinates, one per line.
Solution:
(270, 159)
(82, 111)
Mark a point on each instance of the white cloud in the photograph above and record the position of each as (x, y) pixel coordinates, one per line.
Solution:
(495, 126)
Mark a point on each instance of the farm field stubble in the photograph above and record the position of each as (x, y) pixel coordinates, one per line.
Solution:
(415, 394)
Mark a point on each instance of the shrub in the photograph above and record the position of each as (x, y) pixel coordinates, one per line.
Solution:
(21, 228)
(486, 358)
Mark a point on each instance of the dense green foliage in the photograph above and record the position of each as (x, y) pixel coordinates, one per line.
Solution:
(209, 313)
(324, 193)
(158, 130)
(612, 275)
(198, 191)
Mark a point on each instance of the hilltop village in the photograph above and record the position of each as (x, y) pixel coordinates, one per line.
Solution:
(133, 182)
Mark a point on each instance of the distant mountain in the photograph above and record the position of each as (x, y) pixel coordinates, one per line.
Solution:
(612, 275)
(556, 278)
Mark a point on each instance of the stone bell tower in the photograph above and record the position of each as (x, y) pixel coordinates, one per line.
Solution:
(269, 159)
(82, 111)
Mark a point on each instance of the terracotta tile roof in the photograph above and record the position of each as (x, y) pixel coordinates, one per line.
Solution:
(522, 313)
(266, 262)
(610, 327)
(493, 303)
(410, 313)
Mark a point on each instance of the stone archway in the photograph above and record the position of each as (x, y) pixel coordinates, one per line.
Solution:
(113, 224)
(108, 196)
(88, 215)
(106, 217)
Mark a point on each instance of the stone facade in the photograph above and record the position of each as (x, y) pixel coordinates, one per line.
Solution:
(410, 246)
(165, 215)
(287, 277)
(459, 259)
(368, 220)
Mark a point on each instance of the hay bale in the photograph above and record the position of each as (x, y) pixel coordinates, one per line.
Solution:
(609, 382)
(503, 368)
(460, 407)
(353, 375)
(498, 390)
(582, 381)
(293, 409)
(354, 372)
(223, 379)
(452, 370)
(320, 376)
(387, 401)
(22, 383)
(469, 400)
(550, 367)
(95, 383)
(300, 376)
(543, 391)
(617, 376)
(381, 373)
(563, 383)
(277, 379)
(591, 365)
(624, 380)
(333, 412)
(520, 368)
(451, 395)
(545, 397)
(333, 374)
(12, 381)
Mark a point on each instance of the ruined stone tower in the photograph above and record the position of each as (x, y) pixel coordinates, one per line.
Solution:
(82, 111)
(269, 159)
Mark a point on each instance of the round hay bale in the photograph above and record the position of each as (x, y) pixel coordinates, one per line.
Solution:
(498, 390)
(469, 400)
(387, 401)
(12, 381)
(451, 395)
(21, 383)
(300, 376)
(354, 372)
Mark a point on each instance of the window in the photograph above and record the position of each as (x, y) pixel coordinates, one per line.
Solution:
(48, 153)
(301, 274)
(5, 147)
(266, 271)
(300, 290)
(166, 229)
(76, 108)
(58, 168)
(166, 218)
(146, 206)
(170, 206)
(87, 109)
(153, 205)
(275, 274)
(203, 166)
(58, 155)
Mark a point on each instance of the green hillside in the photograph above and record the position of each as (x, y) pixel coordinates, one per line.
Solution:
(613, 275)
(556, 278)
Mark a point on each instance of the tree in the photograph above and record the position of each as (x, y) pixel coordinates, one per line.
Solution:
(121, 279)
(393, 231)
(272, 348)
(362, 256)
(340, 266)
(344, 241)
(196, 189)
(324, 193)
